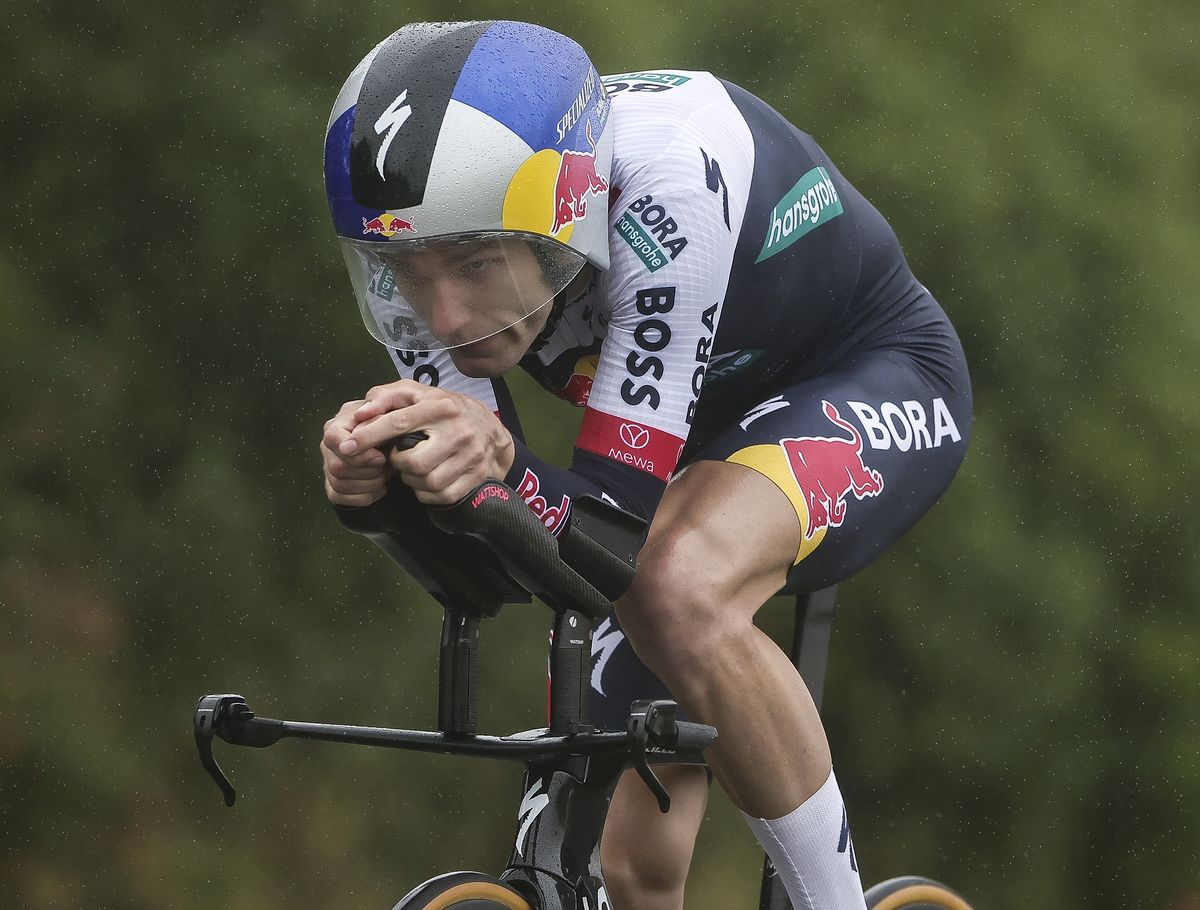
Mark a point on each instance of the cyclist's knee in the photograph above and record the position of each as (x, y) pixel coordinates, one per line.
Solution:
(679, 605)
(633, 879)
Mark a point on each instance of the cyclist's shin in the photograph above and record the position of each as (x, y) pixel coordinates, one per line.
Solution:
(813, 853)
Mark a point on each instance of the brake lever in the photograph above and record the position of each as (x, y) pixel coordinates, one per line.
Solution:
(212, 711)
(650, 720)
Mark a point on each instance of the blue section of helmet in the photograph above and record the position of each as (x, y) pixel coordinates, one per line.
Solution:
(349, 217)
(536, 83)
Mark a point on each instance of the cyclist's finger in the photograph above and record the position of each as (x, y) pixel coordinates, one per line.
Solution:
(354, 499)
(390, 425)
(449, 495)
(338, 427)
(365, 470)
(351, 486)
(390, 397)
(445, 481)
(372, 459)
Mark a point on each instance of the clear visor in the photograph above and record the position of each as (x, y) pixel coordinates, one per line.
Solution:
(444, 292)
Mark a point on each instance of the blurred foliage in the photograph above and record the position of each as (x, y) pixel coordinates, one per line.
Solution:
(1012, 700)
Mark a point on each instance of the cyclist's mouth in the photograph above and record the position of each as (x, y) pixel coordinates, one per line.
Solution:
(487, 358)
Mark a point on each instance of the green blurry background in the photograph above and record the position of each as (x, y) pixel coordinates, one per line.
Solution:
(1013, 697)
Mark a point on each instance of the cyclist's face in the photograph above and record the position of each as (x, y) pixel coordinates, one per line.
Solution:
(483, 290)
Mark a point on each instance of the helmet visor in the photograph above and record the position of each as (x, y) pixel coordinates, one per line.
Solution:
(445, 292)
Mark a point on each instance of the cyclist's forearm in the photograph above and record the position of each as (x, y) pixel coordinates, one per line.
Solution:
(549, 490)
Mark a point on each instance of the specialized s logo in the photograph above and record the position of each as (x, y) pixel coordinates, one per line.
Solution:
(634, 436)
(601, 900)
(605, 642)
(390, 122)
(531, 807)
(845, 842)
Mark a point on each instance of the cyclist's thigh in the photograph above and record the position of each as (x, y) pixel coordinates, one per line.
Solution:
(862, 452)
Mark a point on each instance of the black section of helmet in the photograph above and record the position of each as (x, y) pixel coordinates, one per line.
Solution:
(422, 62)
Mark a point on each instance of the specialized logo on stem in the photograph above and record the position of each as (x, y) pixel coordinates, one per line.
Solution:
(656, 228)
(531, 807)
(828, 468)
(605, 642)
(388, 225)
(601, 900)
(553, 517)
(812, 202)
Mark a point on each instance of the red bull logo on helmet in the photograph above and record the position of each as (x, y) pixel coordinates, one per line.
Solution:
(552, 189)
(577, 179)
(827, 469)
(387, 225)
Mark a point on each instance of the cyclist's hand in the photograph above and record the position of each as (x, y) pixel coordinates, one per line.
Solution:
(357, 479)
(467, 443)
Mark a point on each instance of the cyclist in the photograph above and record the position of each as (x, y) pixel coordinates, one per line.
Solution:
(762, 377)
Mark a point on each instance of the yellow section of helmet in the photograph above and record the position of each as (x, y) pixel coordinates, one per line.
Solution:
(530, 199)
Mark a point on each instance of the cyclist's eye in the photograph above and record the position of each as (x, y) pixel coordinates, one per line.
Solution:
(405, 274)
(480, 266)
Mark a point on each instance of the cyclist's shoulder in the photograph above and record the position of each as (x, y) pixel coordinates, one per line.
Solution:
(656, 110)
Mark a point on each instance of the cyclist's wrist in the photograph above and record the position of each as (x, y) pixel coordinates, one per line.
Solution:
(504, 452)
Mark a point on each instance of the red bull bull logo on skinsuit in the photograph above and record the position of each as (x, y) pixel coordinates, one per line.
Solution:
(387, 225)
(826, 469)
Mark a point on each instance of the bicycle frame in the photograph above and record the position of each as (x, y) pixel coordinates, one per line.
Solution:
(571, 770)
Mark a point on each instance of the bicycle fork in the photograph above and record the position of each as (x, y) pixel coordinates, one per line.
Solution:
(555, 860)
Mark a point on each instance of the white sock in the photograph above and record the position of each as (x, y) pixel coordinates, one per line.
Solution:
(813, 852)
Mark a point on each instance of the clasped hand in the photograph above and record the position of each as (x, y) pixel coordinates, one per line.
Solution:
(467, 445)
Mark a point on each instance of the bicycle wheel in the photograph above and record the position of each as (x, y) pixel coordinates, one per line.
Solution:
(912, 892)
(463, 891)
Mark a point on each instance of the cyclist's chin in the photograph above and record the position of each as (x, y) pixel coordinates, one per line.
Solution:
(488, 358)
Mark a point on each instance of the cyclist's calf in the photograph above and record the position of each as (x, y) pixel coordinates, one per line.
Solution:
(645, 854)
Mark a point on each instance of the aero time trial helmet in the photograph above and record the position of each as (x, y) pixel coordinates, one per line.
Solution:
(469, 160)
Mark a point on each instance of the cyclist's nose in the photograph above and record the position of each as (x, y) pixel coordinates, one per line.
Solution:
(450, 311)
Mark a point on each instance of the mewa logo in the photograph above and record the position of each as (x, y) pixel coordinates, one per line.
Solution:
(812, 202)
